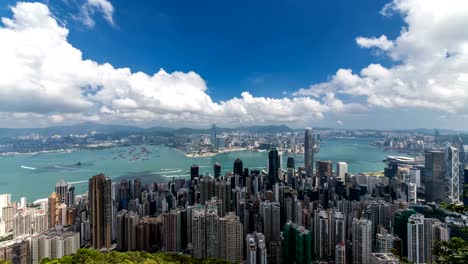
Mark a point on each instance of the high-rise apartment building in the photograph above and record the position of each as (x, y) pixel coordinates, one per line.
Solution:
(230, 238)
(416, 245)
(362, 241)
(100, 211)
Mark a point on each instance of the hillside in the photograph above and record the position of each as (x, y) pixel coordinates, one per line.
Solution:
(93, 256)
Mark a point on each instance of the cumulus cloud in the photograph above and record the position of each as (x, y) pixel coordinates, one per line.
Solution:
(382, 42)
(90, 7)
(431, 61)
(46, 80)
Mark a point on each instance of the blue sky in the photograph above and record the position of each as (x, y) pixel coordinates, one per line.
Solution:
(340, 63)
(266, 47)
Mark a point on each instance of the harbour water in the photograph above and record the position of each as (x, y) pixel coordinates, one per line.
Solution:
(34, 176)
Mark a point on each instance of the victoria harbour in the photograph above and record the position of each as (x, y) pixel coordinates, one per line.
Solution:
(32, 175)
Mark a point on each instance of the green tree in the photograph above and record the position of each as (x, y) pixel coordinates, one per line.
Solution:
(453, 251)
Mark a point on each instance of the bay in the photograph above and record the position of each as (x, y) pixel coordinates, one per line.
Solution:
(34, 176)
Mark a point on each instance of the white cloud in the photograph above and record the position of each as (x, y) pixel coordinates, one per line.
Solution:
(45, 80)
(382, 42)
(431, 61)
(90, 7)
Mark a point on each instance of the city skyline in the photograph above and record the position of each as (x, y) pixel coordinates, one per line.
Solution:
(388, 66)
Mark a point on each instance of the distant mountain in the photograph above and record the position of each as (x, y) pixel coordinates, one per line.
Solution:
(89, 127)
(83, 128)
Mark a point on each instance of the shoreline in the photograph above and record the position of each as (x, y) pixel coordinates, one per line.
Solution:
(202, 154)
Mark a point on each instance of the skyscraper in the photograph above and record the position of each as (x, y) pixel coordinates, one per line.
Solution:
(273, 167)
(238, 167)
(194, 172)
(54, 203)
(217, 170)
(465, 186)
(416, 247)
(214, 144)
(296, 244)
(362, 241)
(324, 171)
(340, 253)
(100, 211)
(230, 238)
(270, 213)
(309, 152)
(452, 174)
(434, 172)
(61, 188)
(341, 170)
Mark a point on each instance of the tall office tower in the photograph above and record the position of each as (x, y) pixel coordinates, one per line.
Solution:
(251, 246)
(238, 167)
(296, 244)
(457, 142)
(131, 222)
(324, 171)
(400, 228)
(465, 186)
(412, 193)
(290, 164)
(362, 241)
(384, 241)
(61, 189)
(309, 152)
(207, 189)
(261, 248)
(274, 167)
(194, 172)
(434, 172)
(71, 196)
(230, 238)
(214, 143)
(416, 247)
(275, 253)
(340, 253)
(341, 170)
(100, 211)
(212, 232)
(270, 213)
(452, 174)
(217, 170)
(415, 176)
(54, 203)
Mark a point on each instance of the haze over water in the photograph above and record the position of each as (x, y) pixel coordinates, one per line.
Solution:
(34, 176)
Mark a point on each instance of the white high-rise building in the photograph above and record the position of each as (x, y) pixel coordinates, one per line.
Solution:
(415, 176)
(412, 193)
(416, 239)
(362, 241)
(54, 245)
(341, 170)
(452, 174)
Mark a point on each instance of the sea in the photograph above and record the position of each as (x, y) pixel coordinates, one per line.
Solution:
(34, 175)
